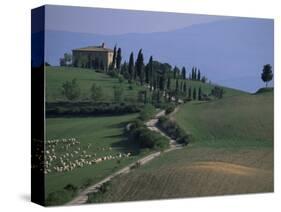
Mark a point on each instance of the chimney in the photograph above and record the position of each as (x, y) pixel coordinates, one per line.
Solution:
(102, 45)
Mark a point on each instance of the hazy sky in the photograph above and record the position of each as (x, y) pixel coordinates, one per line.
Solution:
(113, 21)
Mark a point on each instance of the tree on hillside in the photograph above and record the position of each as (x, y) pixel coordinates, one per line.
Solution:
(194, 93)
(149, 70)
(176, 71)
(66, 60)
(146, 73)
(185, 88)
(151, 73)
(199, 94)
(131, 67)
(162, 80)
(204, 79)
(124, 70)
(181, 86)
(195, 74)
(139, 66)
(267, 74)
(189, 92)
(183, 72)
(118, 59)
(177, 86)
(114, 58)
(71, 89)
(169, 82)
(199, 75)
(217, 92)
(96, 92)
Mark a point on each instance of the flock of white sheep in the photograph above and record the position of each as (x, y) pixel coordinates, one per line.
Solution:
(63, 155)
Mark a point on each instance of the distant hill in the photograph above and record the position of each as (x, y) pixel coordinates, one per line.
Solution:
(230, 52)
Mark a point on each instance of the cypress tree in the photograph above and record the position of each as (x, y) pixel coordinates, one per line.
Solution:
(118, 59)
(194, 93)
(199, 75)
(139, 66)
(185, 88)
(189, 92)
(114, 58)
(150, 69)
(181, 87)
(183, 72)
(199, 94)
(131, 67)
(176, 72)
(195, 74)
(177, 85)
(169, 83)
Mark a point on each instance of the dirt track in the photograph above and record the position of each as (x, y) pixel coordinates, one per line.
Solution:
(152, 125)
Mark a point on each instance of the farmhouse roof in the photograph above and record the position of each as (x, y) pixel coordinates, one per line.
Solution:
(100, 48)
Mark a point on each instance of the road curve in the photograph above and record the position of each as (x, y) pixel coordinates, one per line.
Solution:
(152, 125)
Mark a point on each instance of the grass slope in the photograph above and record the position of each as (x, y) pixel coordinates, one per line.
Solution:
(207, 87)
(56, 76)
(101, 133)
(232, 154)
(239, 121)
(194, 172)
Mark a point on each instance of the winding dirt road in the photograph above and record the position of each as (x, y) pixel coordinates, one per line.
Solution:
(152, 125)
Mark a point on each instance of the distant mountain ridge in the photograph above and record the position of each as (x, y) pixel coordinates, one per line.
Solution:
(231, 52)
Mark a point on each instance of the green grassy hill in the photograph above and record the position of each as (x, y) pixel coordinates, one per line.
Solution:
(207, 87)
(56, 76)
(232, 154)
(195, 172)
(232, 151)
(98, 137)
(239, 121)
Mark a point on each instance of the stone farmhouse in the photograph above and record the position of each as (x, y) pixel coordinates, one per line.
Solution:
(97, 57)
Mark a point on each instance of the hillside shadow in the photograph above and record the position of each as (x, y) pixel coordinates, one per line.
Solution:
(125, 146)
(118, 125)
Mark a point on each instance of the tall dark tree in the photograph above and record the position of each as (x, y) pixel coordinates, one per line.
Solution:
(177, 86)
(118, 59)
(183, 72)
(267, 74)
(151, 74)
(199, 75)
(169, 82)
(181, 86)
(192, 73)
(114, 57)
(150, 70)
(185, 88)
(146, 73)
(140, 66)
(131, 67)
(189, 92)
(195, 74)
(176, 72)
(199, 94)
(194, 94)
(162, 82)
(124, 70)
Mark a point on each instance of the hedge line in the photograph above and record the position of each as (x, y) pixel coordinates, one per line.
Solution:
(58, 109)
(145, 138)
(174, 130)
